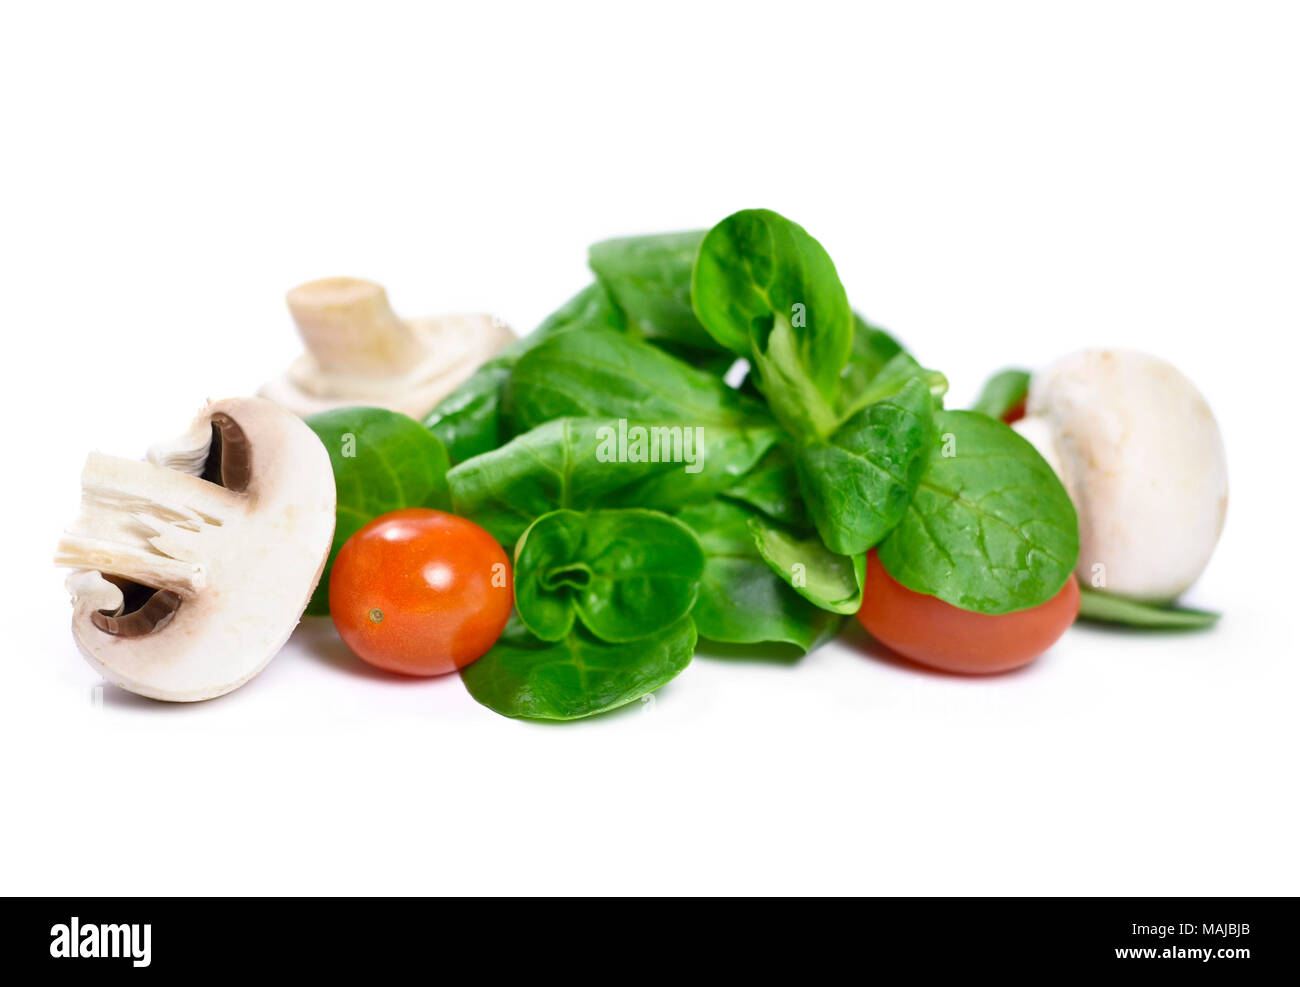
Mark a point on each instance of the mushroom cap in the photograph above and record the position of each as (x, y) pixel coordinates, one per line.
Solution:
(242, 562)
(1141, 455)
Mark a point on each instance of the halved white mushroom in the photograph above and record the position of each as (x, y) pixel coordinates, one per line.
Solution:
(1140, 453)
(194, 566)
(360, 353)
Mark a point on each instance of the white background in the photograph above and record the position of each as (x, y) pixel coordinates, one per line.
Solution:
(998, 184)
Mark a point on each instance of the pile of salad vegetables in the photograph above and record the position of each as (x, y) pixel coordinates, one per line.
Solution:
(707, 443)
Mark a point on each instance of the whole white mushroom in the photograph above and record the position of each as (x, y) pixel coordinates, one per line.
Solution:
(1140, 453)
(360, 353)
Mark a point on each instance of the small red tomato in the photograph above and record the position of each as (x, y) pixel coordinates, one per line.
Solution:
(935, 633)
(420, 592)
(1015, 412)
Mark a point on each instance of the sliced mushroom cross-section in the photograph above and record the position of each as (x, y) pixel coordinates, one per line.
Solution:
(195, 565)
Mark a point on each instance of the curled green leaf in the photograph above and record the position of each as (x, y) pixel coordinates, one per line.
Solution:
(579, 676)
(624, 573)
(829, 581)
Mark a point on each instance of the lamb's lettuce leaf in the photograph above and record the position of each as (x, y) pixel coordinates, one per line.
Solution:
(650, 278)
(582, 463)
(768, 291)
(1106, 608)
(857, 485)
(578, 676)
(990, 528)
(625, 574)
(470, 420)
(742, 601)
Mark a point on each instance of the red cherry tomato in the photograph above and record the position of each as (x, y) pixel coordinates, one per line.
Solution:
(935, 633)
(420, 592)
(1015, 412)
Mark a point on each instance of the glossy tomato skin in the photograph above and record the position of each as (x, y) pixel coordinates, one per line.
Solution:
(421, 592)
(934, 633)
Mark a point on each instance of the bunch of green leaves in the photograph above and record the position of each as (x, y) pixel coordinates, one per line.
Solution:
(834, 441)
(959, 506)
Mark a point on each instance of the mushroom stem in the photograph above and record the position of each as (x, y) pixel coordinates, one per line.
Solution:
(349, 327)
